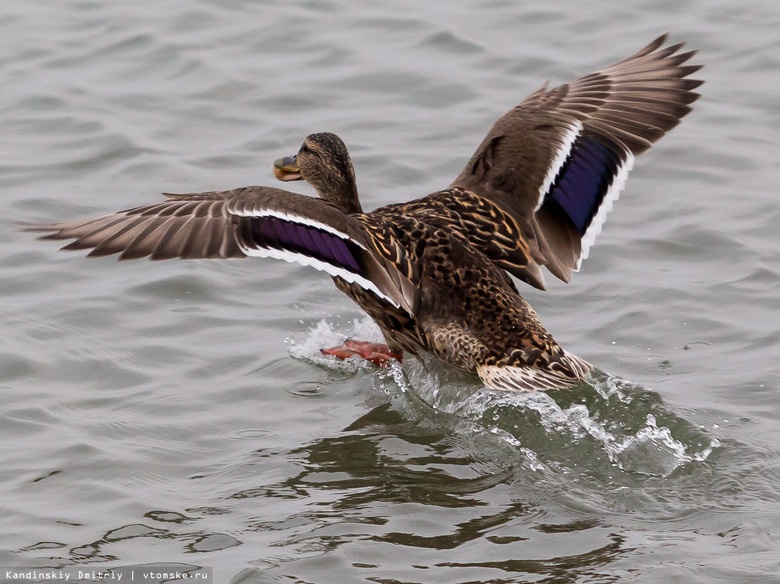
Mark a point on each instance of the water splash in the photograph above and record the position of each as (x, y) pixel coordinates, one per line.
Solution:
(636, 431)
(607, 422)
(327, 334)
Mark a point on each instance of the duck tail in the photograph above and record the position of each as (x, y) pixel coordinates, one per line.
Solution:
(566, 372)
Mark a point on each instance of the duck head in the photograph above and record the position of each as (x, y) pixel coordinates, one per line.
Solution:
(323, 161)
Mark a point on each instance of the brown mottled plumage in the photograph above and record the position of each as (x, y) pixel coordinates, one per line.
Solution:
(433, 272)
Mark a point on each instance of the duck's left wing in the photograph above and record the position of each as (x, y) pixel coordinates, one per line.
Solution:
(245, 222)
(559, 159)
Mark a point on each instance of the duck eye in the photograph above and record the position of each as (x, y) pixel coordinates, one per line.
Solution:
(305, 148)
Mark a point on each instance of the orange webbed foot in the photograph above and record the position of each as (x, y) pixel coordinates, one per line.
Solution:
(378, 353)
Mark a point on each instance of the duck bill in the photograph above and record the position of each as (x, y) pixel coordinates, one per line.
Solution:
(287, 168)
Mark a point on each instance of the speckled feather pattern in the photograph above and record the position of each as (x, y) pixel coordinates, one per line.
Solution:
(469, 313)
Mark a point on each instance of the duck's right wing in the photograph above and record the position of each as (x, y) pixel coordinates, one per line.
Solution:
(250, 221)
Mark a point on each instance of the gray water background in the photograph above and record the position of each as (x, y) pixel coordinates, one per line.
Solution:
(178, 412)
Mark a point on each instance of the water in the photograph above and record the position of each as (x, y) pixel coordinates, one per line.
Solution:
(179, 413)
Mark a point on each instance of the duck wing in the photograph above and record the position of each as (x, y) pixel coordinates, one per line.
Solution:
(244, 222)
(558, 160)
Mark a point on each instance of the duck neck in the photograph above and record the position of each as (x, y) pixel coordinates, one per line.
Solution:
(344, 198)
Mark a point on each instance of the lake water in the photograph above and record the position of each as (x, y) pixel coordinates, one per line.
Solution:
(178, 414)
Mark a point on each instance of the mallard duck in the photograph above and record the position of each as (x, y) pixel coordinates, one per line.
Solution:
(434, 273)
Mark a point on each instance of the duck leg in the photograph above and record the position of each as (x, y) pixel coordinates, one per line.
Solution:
(378, 353)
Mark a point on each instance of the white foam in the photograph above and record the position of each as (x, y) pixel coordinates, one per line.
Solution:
(651, 451)
(326, 334)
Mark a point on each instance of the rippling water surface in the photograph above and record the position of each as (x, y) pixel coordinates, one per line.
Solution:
(180, 414)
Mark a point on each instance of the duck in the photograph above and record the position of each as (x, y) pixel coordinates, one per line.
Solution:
(438, 274)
